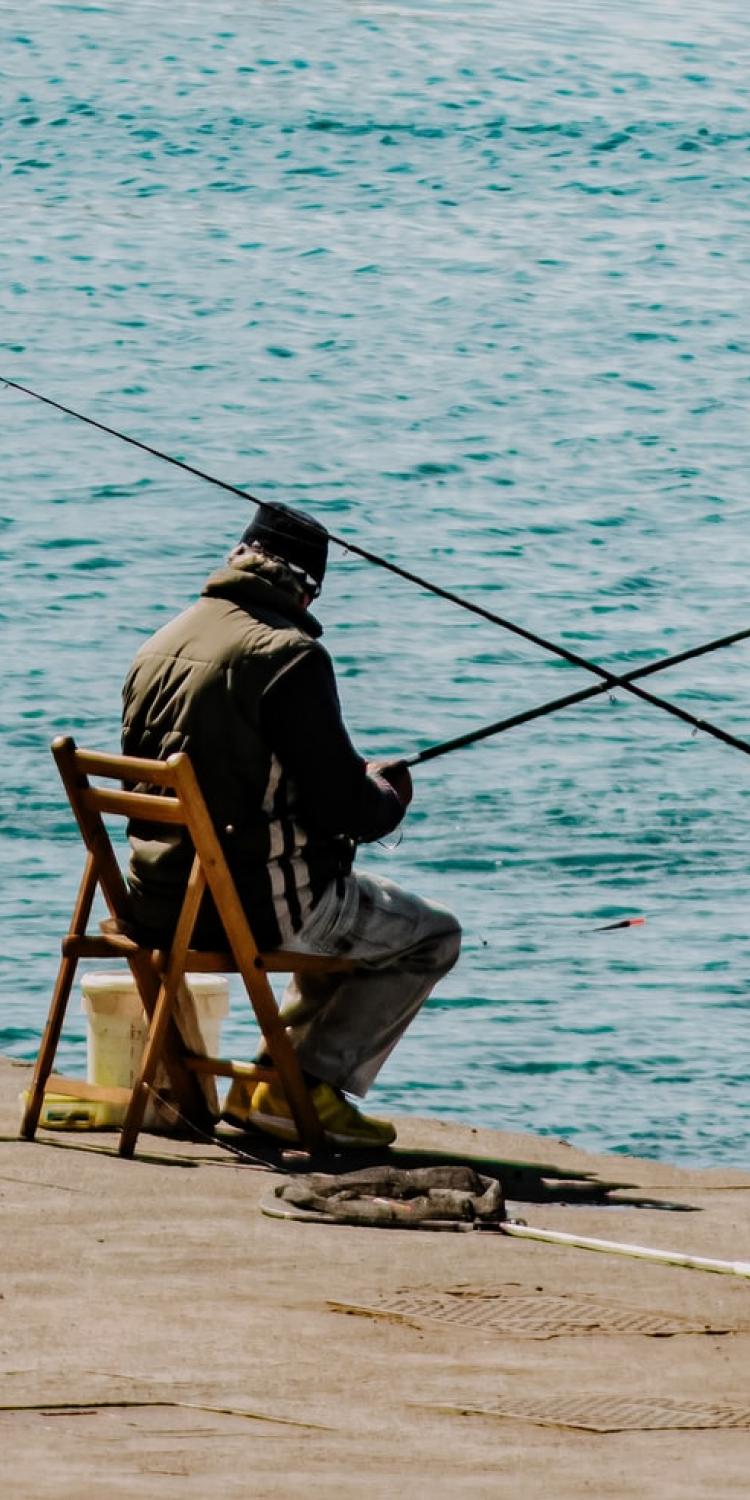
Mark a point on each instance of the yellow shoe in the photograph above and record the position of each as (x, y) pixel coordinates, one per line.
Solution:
(342, 1123)
(236, 1109)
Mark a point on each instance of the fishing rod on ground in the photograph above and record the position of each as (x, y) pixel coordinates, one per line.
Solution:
(608, 679)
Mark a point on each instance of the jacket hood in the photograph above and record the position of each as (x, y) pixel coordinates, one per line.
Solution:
(256, 583)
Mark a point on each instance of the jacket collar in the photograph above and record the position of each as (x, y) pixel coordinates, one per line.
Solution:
(264, 586)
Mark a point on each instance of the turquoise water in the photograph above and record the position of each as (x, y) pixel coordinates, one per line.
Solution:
(474, 286)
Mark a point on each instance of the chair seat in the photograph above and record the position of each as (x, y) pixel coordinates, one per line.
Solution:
(120, 938)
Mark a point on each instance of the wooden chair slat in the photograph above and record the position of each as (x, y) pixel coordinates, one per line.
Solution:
(129, 768)
(208, 961)
(80, 1088)
(142, 805)
(116, 946)
(305, 963)
(223, 1068)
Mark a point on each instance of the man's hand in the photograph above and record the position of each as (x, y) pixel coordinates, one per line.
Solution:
(397, 774)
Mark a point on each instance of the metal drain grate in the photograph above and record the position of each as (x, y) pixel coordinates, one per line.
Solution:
(614, 1413)
(539, 1316)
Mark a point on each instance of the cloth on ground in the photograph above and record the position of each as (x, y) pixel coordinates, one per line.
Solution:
(392, 1196)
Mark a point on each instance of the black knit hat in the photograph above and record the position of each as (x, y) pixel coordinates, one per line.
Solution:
(292, 536)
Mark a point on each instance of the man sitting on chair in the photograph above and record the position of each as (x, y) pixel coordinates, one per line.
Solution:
(241, 682)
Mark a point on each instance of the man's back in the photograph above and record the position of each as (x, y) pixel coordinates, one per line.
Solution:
(241, 683)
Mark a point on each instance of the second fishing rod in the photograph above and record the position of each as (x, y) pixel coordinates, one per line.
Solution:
(525, 716)
(607, 679)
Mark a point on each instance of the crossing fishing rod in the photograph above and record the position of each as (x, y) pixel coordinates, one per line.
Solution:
(460, 741)
(607, 679)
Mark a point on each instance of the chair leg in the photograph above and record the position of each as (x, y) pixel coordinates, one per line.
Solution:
(60, 997)
(162, 1012)
(187, 1088)
(285, 1060)
(298, 1095)
(152, 1053)
(46, 1056)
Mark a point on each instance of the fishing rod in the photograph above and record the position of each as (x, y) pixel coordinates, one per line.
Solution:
(460, 741)
(608, 679)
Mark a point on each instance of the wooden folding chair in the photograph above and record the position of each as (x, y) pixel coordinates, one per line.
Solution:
(159, 974)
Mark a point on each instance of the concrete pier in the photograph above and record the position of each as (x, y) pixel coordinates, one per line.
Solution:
(163, 1338)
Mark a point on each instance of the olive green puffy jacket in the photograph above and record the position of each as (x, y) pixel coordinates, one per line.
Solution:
(241, 682)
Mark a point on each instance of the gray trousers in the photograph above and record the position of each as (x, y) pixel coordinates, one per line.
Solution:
(344, 1026)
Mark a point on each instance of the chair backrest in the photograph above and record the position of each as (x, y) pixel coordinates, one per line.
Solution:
(87, 801)
(178, 802)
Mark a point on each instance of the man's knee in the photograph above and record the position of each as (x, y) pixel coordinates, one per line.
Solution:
(453, 941)
(445, 939)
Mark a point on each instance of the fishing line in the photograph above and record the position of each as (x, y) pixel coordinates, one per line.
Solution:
(608, 679)
(213, 1140)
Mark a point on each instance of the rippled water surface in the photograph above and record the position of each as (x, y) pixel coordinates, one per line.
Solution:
(473, 285)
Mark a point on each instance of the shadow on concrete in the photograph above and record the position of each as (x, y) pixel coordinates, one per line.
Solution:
(523, 1182)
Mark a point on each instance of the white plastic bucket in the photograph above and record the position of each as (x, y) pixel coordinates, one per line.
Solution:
(117, 1025)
